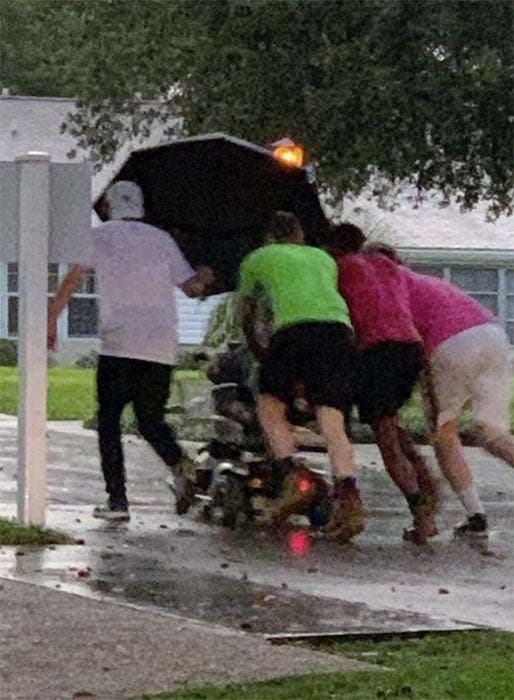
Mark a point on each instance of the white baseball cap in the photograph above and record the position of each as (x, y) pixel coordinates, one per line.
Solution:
(125, 200)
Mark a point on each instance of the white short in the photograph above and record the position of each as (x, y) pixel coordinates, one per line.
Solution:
(474, 366)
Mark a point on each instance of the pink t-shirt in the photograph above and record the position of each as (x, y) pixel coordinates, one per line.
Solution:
(440, 310)
(377, 297)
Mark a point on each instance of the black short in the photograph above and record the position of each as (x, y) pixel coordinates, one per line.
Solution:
(386, 376)
(319, 356)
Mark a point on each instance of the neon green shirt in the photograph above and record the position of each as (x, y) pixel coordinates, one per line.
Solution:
(300, 281)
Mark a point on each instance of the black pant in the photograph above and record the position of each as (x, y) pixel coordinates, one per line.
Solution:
(120, 381)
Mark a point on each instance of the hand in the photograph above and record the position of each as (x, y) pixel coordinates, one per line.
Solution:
(205, 275)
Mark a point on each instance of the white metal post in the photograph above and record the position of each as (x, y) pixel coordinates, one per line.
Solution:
(34, 215)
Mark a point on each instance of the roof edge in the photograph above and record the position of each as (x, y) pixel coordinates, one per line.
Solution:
(499, 256)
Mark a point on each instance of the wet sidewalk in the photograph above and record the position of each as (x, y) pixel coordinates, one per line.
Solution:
(194, 578)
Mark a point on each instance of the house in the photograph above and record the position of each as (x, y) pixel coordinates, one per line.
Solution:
(463, 248)
(476, 255)
(33, 123)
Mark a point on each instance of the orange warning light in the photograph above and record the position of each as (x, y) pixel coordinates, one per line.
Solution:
(290, 154)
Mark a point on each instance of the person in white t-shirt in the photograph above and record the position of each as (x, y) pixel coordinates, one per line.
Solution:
(138, 267)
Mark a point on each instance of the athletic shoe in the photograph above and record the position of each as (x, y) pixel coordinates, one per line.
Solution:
(112, 511)
(182, 486)
(424, 525)
(475, 526)
(348, 518)
(297, 492)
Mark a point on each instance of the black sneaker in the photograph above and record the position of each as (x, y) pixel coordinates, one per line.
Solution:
(112, 511)
(474, 526)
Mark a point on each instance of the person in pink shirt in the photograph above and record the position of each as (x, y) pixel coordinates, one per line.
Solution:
(469, 362)
(391, 357)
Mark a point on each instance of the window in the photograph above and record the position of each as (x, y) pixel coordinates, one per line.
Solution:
(13, 289)
(434, 270)
(485, 284)
(481, 284)
(83, 310)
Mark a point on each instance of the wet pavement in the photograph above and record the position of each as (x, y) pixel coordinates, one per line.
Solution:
(253, 580)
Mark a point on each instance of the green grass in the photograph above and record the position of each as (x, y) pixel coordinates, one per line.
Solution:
(462, 666)
(71, 391)
(15, 533)
(71, 396)
(413, 417)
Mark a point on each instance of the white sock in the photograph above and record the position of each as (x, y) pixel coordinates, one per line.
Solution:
(470, 500)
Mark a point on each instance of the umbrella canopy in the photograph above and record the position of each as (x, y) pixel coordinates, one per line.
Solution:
(215, 194)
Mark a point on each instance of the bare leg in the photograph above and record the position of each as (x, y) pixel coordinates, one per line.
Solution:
(498, 443)
(451, 458)
(403, 473)
(453, 464)
(340, 451)
(277, 430)
(395, 461)
(427, 484)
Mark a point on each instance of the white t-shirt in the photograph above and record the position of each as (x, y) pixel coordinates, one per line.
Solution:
(138, 268)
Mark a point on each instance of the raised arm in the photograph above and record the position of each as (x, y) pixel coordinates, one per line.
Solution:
(68, 286)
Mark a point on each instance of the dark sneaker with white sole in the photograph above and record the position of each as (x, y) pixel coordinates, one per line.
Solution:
(112, 511)
(475, 526)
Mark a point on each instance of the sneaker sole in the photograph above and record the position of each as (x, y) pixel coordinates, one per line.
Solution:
(112, 516)
(471, 535)
(417, 536)
(345, 532)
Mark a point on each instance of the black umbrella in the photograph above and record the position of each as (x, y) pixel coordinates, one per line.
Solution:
(215, 194)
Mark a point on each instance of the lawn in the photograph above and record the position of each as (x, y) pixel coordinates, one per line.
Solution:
(463, 666)
(71, 391)
(71, 396)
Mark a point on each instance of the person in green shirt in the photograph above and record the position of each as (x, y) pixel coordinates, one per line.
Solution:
(312, 347)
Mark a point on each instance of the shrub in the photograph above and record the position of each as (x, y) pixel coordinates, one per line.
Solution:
(224, 324)
(194, 360)
(87, 361)
(8, 353)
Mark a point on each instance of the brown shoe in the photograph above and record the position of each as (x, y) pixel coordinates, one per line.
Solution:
(424, 525)
(348, 518)
(299, 489)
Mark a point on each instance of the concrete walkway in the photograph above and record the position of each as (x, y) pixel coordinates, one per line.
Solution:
(165, 601)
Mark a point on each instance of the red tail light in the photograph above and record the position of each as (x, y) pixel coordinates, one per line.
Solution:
(299, 543)
(304, 484)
